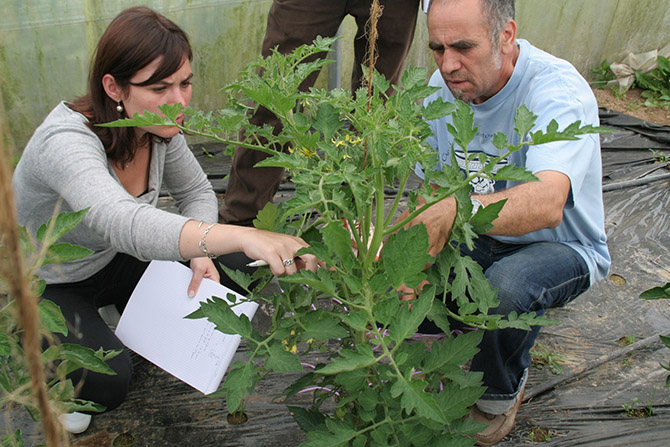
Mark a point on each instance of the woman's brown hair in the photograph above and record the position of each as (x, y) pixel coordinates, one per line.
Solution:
(134, 39)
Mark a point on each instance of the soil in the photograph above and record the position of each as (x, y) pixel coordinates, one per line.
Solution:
(632, 103)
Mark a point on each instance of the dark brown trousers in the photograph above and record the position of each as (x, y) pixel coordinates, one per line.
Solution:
(292, 23)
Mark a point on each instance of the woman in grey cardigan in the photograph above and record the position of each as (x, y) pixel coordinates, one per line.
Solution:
(143, 60)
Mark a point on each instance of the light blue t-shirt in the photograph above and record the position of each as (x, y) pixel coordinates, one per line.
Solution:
(552, 89)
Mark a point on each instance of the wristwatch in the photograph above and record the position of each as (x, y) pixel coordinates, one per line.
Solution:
(476, 204)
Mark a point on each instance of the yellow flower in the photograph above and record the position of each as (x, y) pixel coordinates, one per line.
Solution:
(294, 349)
(338, 143)
(306, 152)
(352, 139)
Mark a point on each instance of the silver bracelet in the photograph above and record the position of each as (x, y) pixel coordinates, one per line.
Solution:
(203, 243)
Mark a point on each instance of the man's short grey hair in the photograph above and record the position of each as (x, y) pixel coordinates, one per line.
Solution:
(496, 12)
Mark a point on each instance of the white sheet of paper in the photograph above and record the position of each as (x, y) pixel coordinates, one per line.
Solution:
(153, 325)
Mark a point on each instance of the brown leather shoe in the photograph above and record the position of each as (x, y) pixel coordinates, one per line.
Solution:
(499, 425)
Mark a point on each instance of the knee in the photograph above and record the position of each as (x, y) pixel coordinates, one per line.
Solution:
(516, 292)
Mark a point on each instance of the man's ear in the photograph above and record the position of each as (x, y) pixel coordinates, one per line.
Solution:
(112, 88)
(508, 37)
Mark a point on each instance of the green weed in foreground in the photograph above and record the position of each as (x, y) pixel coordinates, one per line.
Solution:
(542, 357)
(656, 84)
(602, 74)
(60, 359)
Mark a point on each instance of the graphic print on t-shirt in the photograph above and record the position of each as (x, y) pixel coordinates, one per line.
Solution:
(480, 184)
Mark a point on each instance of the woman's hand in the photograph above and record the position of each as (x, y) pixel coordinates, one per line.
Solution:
(202, 268)
(278, 250)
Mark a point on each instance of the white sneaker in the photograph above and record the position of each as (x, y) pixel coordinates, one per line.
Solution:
(76, 422)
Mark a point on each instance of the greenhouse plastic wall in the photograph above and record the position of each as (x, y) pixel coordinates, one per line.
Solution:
(45, 45)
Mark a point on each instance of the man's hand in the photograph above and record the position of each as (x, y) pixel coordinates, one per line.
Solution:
(438, 220)
(410, 294)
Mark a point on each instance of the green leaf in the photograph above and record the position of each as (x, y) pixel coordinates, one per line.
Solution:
(407, 322)
(469, 288)
(219, 312)
(145, 119)
(437, 109)
(268, 218)
(499, 141)
(307, 420)
(322, 326)
(523, 321)
(455, 400)
(338, 240)
(420, 433)
(354, 381)
(349, 360)
(571, 132)
(76, 356)
(59, 226)
(62, 395)
(515, 173)
(171, 111)
(338, 434)
(238, 383)
(463, 128)
(524, 121)
(481, 221)
(452, 351)
(413, 77)
(64, 252)
(52, 317)
(356, 319)
(438, 314)
(327, 121)
(405, 254)
(321, 280)
(280, 360)
(448, 440)
(381, 434)
(414, 397)
(242, 279)
(385, 309)
(657, 293)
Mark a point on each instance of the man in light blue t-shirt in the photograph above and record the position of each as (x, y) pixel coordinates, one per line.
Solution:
(548, 244)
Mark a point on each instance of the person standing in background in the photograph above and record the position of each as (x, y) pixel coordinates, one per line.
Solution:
(292, 23)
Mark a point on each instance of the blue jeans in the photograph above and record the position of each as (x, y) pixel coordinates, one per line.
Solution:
(529, 278)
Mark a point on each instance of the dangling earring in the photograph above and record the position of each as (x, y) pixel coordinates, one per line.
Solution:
(119, 107)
